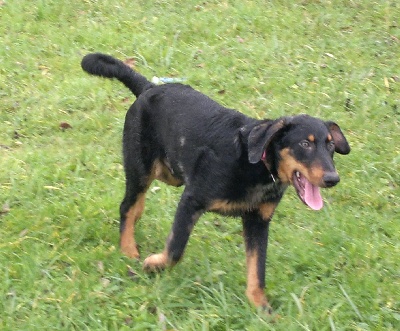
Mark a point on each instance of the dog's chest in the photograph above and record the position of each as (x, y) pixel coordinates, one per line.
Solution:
(264, 193)
(251, 199)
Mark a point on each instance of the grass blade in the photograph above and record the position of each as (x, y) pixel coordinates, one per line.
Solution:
(351, 302)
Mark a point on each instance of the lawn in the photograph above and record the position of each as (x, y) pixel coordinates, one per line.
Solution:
(61, 178)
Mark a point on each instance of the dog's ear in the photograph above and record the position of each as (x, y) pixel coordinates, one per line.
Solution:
(341, 144)
(262, 135)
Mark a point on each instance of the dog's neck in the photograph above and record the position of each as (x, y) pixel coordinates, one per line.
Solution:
(267, 165)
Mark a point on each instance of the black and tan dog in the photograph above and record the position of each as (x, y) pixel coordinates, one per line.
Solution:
(229, 163)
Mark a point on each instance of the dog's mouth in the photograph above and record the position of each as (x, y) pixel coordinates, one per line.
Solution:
(307, 192)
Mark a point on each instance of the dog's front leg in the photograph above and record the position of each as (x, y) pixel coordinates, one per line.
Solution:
(188, 212)
(255, 226)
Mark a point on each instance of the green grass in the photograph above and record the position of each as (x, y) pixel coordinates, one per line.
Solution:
(60, 266)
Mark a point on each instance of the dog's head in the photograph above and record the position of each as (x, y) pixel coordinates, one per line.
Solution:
(299, 150)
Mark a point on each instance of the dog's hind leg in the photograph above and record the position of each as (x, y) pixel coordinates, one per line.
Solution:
(188, 212)
(131, 209)
(138, 180)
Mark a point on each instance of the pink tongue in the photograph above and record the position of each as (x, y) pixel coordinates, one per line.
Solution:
(312, 196)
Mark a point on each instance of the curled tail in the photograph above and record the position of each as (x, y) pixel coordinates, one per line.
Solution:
(106, 66)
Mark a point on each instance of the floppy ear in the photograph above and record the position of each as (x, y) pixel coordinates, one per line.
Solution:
(341, 144)
(261, 136)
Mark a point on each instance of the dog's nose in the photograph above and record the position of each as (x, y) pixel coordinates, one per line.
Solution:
(330, 179)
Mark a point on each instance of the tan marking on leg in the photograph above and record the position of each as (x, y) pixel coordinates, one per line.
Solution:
(161, 172)
(267, 210)
(127, 240)
(254, 292)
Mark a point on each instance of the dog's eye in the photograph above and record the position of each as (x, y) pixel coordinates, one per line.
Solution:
(331, 145)
(305, 144)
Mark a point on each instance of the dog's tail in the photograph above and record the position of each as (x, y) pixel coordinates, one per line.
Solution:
(106, 66)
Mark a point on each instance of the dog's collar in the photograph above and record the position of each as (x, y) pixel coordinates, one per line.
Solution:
(264, 159)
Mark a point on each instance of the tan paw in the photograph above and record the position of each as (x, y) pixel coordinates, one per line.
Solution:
(257, 297)
(130, 251)
(155, 262)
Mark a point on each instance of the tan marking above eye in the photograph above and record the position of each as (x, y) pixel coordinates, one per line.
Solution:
(311, 138)
(329, 137)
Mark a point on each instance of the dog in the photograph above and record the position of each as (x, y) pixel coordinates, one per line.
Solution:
(229, 163)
